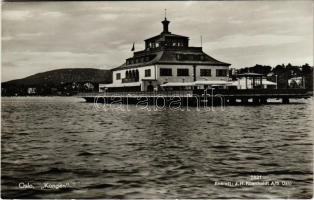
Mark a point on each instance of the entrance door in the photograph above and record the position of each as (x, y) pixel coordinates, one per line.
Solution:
(150, 88)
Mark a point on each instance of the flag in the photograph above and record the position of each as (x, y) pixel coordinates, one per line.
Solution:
(133, 48)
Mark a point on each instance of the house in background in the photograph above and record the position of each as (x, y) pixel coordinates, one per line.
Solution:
(167, 62)
(88, 86)
(253, 81)
(31, 90)
(296, 82)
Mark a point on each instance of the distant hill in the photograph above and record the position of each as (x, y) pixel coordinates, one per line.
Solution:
(59, 80)
(69, 75)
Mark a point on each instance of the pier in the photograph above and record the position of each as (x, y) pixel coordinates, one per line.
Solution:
(200, 97)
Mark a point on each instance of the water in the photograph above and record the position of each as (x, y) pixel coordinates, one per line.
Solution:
(141, 154)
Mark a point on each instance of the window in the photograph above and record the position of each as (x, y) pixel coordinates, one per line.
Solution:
(206, 72)
(147, 73)
(118, 76)
(221, 72)
(165, 72)
(182, 72)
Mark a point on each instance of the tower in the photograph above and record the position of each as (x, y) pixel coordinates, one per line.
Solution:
(165, 24)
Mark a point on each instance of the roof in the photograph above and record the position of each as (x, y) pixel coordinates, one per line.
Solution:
(176, 84)
(170, 57)
(133, 84)
(248, 74)
(265, 82)
(167, 53)
(218, 82)
(163, 35)
(296, 78)
(151, 62)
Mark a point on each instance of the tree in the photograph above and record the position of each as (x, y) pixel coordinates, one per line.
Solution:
(306, 69)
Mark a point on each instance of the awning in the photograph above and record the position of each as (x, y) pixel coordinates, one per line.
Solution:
(268, 83)
(235, 83)
(178, 84)
(186, 84)
(212, 82)
(115, 85)
(250, 74)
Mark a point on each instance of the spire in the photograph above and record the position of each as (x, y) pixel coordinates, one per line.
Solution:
(165, 23)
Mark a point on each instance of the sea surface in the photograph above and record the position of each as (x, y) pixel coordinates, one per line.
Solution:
(62, 147)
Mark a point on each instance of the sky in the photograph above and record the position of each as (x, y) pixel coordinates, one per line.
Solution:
(42, 36)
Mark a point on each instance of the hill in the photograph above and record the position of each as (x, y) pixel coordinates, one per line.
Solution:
(61, 81)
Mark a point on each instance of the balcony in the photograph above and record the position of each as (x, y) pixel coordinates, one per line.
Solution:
(130, 80)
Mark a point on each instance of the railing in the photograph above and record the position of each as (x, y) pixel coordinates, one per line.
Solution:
(139, 94)
(226, 92)
(130, 80)
(256, 92)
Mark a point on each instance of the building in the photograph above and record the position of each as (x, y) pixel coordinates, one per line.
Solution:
(296, 82)
(252, 81)
(31, 90)
(168, 63)
(88, 86)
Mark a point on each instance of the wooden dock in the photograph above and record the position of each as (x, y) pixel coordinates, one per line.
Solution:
(200, 97)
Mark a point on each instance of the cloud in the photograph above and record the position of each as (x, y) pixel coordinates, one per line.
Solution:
(295, 53)
(28, 63)
(52, 14)
(108, 16)
(39, 36)
(16, 15)
(5, 38)
(239, 40)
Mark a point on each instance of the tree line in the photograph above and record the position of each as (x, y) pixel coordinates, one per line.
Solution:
(281, 73)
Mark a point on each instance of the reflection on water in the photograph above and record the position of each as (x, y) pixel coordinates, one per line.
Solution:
(141, 154)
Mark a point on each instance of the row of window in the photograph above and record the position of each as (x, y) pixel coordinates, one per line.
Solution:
(181, 72)
(185, 72)
(181, 57)
(130, 74)
(153, 45)
(190, 57)
(173, 43)
(133, 74)
(137, 60)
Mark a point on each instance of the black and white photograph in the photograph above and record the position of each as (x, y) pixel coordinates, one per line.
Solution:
(157, 99)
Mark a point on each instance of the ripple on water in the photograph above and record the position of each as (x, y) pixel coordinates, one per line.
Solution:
(139, 154)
